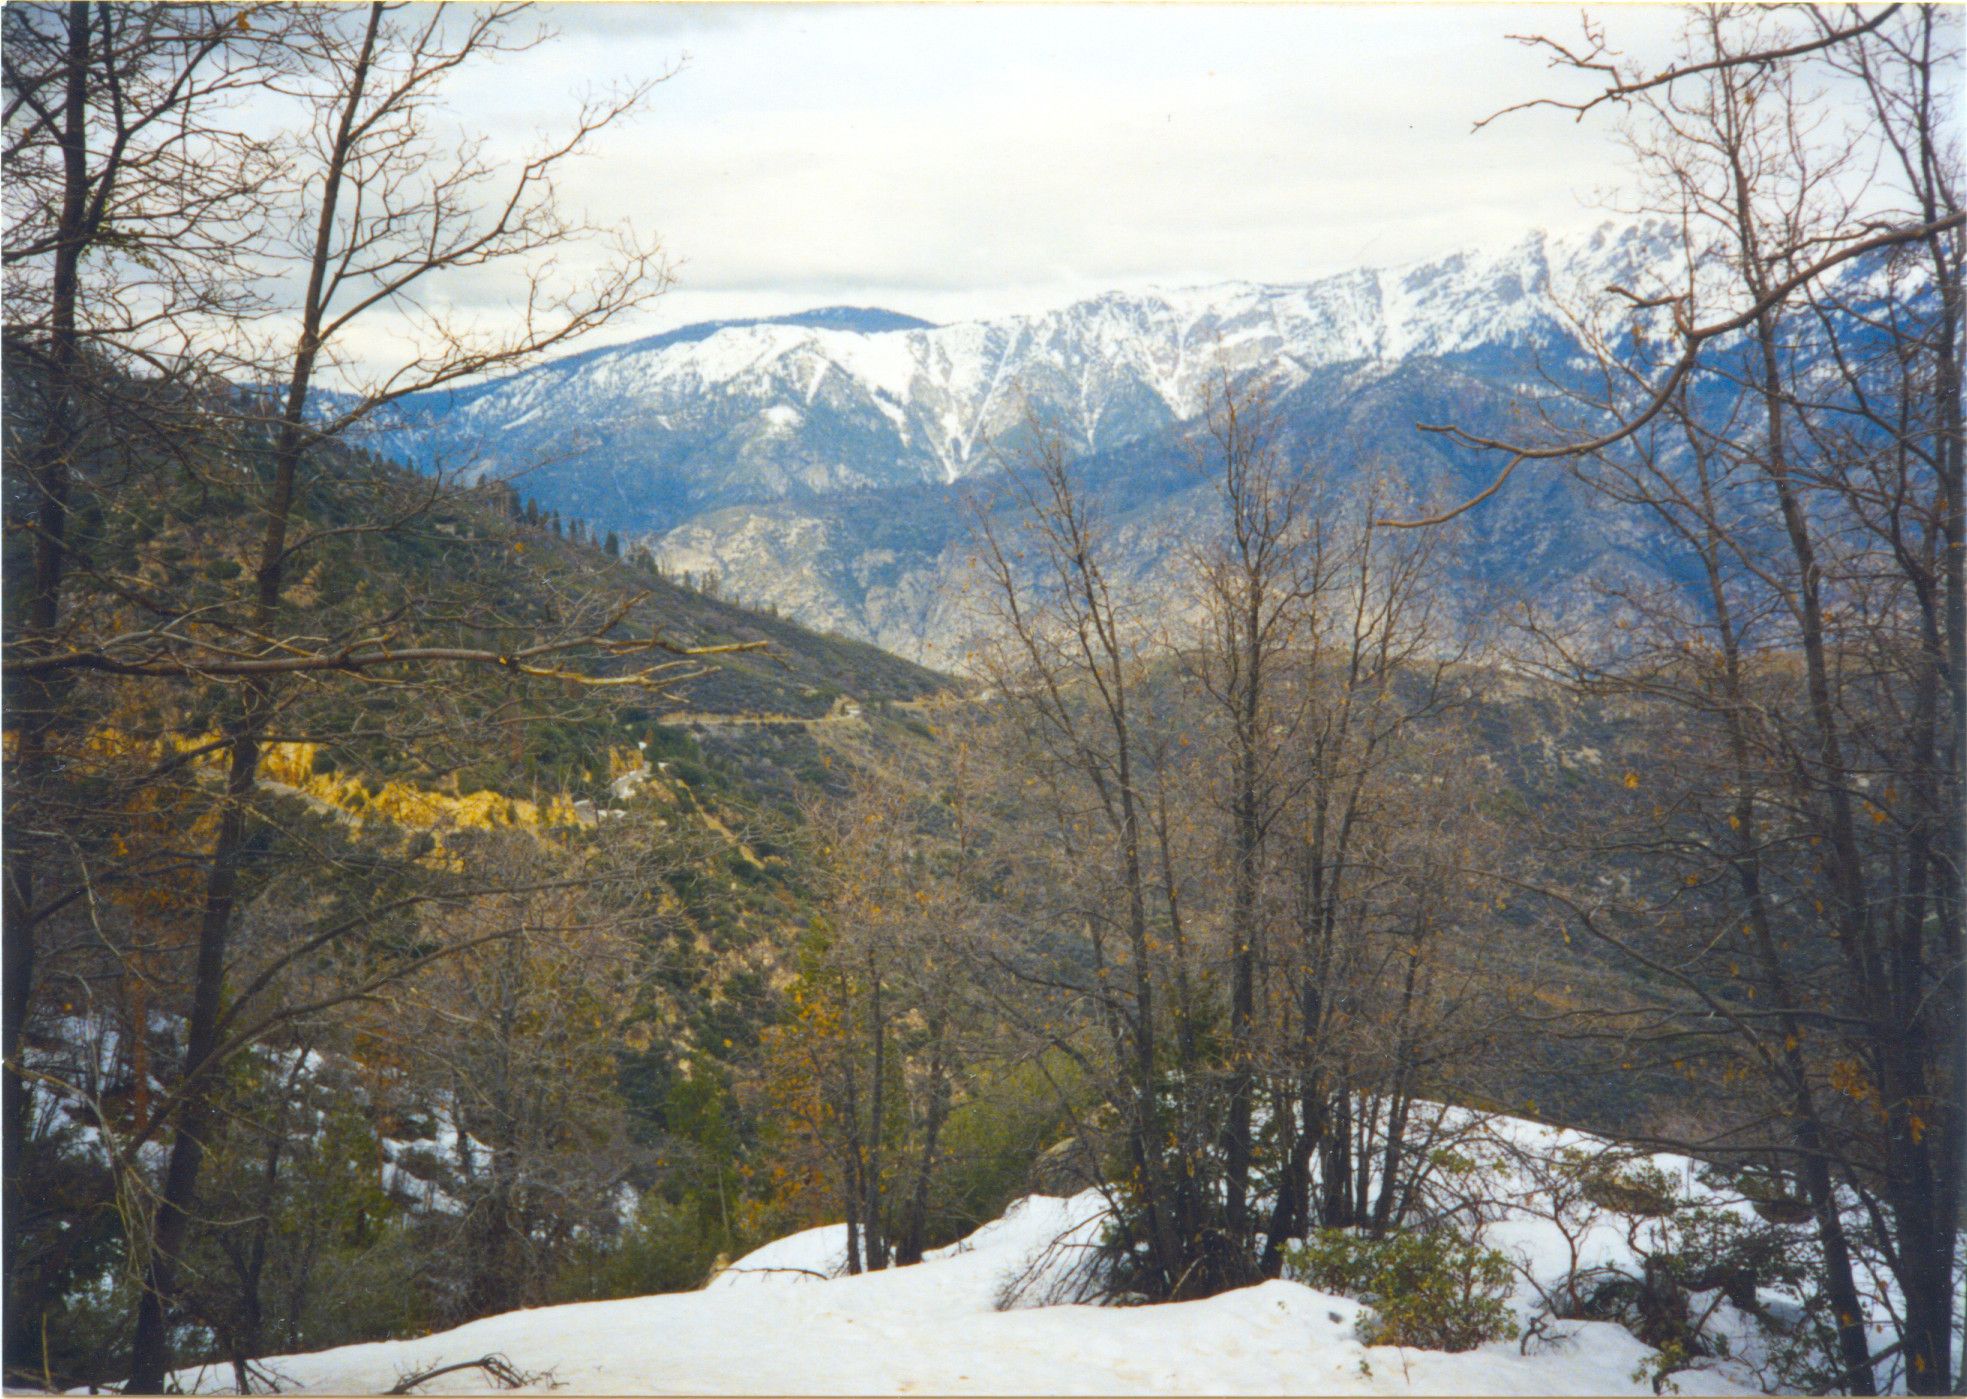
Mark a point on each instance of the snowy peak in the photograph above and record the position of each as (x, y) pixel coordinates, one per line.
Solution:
(802, 458)
(650, 433)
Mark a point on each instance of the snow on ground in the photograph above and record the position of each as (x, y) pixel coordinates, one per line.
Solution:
(776, 1322)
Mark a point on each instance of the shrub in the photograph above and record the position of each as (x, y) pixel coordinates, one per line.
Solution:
(668, 1248)
(1641, 1190)
(992, 1140)
(1429, 1289)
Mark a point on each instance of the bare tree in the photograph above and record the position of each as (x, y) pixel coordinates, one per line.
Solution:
(1380, 658)
(1805, 459)
(1840, 40)
(867, 1070)
(127, 195)
(381, 213)
(1243, 943)
(1262, 581)
(1070, 658)
(518, 1037)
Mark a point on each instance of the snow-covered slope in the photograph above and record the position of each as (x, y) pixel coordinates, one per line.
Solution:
(782, 1321)
(792, 407)
(934, 1328)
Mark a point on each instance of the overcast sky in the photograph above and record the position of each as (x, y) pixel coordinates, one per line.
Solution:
(962, 160)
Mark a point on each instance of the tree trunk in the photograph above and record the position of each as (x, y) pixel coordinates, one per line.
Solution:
(148, 1358)
(1243, 925)
(875, 1249)
(36, 703)
(909, 1246)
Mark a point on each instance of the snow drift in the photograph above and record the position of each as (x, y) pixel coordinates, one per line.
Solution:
(782, 1320)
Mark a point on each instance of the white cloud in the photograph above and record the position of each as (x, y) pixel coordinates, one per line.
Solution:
(954, 160)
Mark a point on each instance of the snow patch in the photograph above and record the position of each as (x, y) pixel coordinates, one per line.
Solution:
(786, 1319)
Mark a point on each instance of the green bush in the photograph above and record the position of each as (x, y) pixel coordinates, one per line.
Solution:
(992, 1139)
(1432, 1289)
(668, 1248)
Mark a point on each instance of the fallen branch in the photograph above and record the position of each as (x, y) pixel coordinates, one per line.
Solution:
(809, 1272)
(501, 1370)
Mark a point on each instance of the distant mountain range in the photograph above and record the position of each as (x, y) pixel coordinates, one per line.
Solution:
(817, 462)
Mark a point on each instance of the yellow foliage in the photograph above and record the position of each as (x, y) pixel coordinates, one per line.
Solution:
(1848, 1077)
(403, 804)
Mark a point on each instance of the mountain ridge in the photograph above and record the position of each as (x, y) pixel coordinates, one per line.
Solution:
(700, 442)
(941, 388)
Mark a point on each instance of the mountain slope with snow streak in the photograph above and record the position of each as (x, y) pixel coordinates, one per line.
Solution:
(766, 409)
(816, 462)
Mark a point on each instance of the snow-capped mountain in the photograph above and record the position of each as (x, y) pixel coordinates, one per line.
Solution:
(738, 445)
(810, 403)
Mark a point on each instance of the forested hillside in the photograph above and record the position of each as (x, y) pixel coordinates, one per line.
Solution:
(653, 893)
